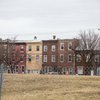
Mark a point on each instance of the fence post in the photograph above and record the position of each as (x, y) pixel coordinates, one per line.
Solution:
(1, 79)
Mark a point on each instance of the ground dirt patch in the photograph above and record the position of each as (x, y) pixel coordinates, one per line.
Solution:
(50, 87)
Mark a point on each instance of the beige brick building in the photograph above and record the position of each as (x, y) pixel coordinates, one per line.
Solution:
(33, 57)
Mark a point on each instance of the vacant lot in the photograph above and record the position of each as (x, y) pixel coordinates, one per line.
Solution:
(46, 87)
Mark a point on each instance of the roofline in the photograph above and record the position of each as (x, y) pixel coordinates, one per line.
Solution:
(59, 39)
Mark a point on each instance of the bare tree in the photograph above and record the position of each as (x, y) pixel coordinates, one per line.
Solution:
(7, 53)
(88, 47)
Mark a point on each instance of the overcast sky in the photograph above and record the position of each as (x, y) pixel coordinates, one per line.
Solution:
(26, 18)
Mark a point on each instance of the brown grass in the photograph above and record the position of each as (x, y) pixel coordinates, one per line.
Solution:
(46, 87)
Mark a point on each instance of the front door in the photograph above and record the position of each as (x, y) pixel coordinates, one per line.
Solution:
(79, 70)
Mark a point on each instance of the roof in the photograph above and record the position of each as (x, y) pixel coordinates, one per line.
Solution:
(58, 40)
(27, 41)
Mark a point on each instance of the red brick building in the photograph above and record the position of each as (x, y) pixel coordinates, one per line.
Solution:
(81, 62)
(58, 56)
(19, 57)
(49, 55)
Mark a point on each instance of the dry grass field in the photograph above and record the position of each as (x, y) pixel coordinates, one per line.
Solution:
(50, 87)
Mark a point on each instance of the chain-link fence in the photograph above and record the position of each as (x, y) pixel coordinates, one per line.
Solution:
(1, 78)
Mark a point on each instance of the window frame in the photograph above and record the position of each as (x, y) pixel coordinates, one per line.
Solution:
(61, 45)
(45, 58)
(69, 43)
(22, 58)
(53, 58)
(37, 57)
(21, 47)
(97, 58)
(62, 58)
(37, 48)
(53, 48)
(70, 55)
(29, 58)
(45, 48)
(78, 59)
(30, 48)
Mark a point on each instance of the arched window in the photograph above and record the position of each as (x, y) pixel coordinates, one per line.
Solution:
(78, 58)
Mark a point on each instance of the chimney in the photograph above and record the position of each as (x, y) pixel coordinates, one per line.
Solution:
(35, 38)
(54, 37)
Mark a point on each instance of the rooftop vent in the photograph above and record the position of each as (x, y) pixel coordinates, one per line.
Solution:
(35, 37)
(54, 37)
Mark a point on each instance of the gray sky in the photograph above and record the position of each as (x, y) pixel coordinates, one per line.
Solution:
(26, 18)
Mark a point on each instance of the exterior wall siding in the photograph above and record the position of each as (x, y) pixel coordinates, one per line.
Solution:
(34, 66)
(18, 53)
(58, 66)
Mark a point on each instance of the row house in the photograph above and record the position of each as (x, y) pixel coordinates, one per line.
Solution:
(26, 57)
(49, 55)
(34, 57)
(58, 56)
(80, 62)
(19, 57)
(13, 56)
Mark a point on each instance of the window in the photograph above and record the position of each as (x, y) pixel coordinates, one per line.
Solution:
(70, 58)
(78, 58)
(30, 48)
(37, 57)
(21, 47)
(70, 46)
(87, 57)
(22, 58)
(96, 58)
(50, 69)
(64, 70)
(53, 48)
(29, 58)
(61, 57)
(53, 58)
(45, 48)
(45, 58)
(61, 46)
(71, 70)
(37, 48)
(23, 69)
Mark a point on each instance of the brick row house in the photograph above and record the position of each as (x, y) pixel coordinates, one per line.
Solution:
(13, 56)
(80, 62)
(25, 57)
(58, 56)
(49, 55)
(19, 57)
(34, 57)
